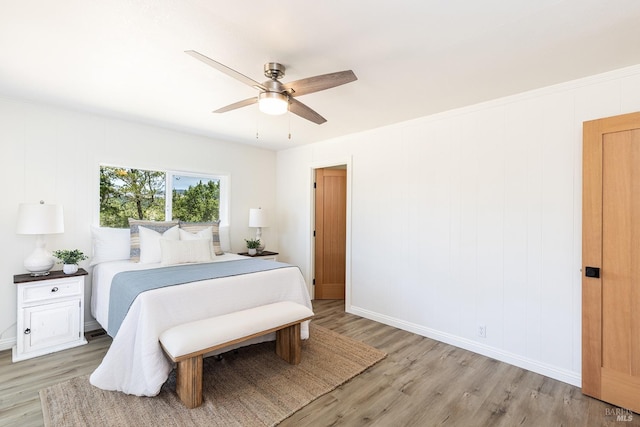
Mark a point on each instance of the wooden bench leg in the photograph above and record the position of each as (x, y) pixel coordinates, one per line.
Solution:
(189, 381)
(288, 344)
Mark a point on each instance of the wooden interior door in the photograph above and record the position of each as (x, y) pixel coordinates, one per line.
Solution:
(611, 243)
(330, 232)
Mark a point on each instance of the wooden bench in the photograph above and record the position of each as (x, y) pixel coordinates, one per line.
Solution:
(186, 344)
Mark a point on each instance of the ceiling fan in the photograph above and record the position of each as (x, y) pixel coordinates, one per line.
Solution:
(276, 97)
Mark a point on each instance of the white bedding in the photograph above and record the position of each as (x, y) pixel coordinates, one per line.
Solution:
(103, 273)
(135, 363)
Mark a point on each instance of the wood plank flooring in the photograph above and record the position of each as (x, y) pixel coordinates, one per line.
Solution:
(422, 382)
(21, 381)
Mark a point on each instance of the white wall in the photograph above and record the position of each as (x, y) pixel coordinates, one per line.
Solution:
(468, 217)
(53, 154)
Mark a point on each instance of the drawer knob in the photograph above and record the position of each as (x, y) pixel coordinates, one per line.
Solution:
(54, 289)
(27, 331)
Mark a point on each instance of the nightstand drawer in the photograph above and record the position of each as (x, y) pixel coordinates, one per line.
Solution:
(52, 289)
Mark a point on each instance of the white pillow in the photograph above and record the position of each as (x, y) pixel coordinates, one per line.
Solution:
(185, 251)
(204, 234)
(110, 244)
(225, 241)
(150, 243)
(194, 227)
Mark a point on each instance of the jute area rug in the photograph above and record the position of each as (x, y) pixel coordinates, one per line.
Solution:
(252, 387)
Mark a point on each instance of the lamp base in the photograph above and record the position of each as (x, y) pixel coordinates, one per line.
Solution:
(259, 237)
(39, 273)
(40, 261)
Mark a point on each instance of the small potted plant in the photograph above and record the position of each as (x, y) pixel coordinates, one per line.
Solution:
(252, 245)
(69, 259)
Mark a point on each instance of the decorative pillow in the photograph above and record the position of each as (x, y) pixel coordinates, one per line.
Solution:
(194, 227)
(204, 234)
(185, 251)
(150, 243)
(110, 244)
(225, 243)
(159, 226)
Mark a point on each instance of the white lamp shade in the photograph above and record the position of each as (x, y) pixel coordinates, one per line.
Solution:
(258, 218)
(40, 218)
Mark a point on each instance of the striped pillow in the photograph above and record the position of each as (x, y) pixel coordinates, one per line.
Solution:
(194, 227)
(159, 226)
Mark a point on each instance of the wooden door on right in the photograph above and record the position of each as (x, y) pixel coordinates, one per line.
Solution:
(611, 260)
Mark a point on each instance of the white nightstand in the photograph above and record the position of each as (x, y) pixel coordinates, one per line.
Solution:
(273, 256)
(50, 313)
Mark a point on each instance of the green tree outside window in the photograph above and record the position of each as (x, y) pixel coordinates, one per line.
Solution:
(142, 194)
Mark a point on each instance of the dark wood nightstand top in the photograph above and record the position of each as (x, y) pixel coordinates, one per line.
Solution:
(264, 253)
(54, 274)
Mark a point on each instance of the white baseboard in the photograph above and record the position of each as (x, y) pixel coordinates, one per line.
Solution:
(569, 377)
(7, 343)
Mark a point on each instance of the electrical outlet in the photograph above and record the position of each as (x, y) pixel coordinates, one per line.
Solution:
(482, 331)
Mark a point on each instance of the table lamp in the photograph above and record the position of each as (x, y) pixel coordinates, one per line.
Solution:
(258, 219)
(39, 219)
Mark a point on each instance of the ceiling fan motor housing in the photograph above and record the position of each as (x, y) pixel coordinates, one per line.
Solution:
(274, 86)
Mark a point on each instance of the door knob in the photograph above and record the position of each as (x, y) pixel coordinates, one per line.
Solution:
(592, 272)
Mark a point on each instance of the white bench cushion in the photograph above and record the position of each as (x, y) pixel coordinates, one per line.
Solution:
(194, 336)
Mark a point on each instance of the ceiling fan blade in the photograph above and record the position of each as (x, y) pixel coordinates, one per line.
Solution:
(223, 68)
(298, 108)
(318, 83)
(236, 105)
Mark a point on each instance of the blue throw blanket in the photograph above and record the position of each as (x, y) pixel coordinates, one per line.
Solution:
(126, 285)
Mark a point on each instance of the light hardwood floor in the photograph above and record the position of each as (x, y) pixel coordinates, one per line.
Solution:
(422, 382)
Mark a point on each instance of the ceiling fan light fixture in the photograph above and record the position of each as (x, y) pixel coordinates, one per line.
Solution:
(273, 103)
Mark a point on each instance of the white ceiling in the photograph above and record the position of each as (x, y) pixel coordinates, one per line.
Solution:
(125, 58)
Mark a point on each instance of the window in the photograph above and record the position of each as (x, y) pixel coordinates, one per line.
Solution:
(156, 195)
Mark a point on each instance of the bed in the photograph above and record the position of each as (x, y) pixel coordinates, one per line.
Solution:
(135, 363)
